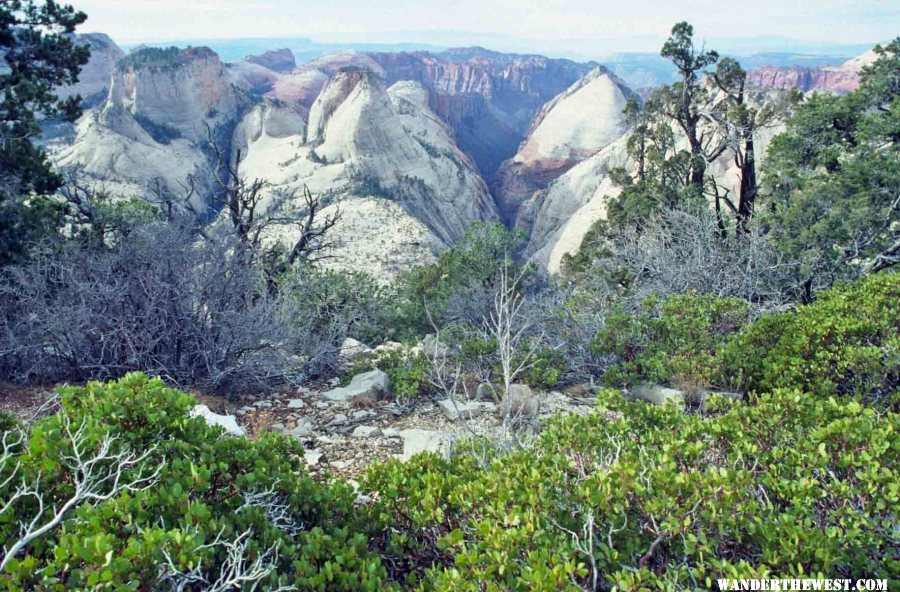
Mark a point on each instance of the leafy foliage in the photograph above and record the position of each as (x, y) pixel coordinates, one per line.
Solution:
(833, 178)
(640, 497)
(140, 540)
(38, 54)
(844, 343)
(677, 340)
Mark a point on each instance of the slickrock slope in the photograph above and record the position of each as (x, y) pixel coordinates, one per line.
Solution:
(488, 98)
(187, 92)
(153, 124)
(388, 162)
(564, 212)
(579, 122)
(840, 79)
(94, 79)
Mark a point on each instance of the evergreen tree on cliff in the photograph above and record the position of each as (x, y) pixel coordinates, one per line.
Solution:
(39, 54)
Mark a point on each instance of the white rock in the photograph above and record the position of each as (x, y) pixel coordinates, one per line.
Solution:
(454, 410)
(312, 457)
(656, 394)
(390, 433)
(352, 348)
(366, 432)
(416, 440)
(372, 385)
(296, 404)
(228, 422)
(303, 429)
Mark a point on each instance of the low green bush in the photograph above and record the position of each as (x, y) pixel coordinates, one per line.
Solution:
(127, 542)
(407, 370)
(638, 497)
(677, 340)
(847, 342)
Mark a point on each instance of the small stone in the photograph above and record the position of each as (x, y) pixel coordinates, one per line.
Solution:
(312, 457)
(390, 433)
(226, 422)
(296, 404)
(361, 414)
(416, 440)
(454, 410)
(277, 427)
(303, 429)
(263, 404)
(339, 464)
(366, 432)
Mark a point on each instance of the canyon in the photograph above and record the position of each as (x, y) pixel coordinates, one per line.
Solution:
(410, 147)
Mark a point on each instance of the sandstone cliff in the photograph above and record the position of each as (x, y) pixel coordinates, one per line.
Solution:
(279, 60)
(94, 79)
(579, 122)
(488, 98)
(840, 79)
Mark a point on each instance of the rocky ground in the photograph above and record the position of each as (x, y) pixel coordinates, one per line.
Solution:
(343, 437)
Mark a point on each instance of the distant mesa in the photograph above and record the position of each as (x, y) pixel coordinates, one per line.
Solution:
(840, 79)
(278, 60)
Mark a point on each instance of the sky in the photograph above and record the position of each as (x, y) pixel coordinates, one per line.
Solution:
(591, 25)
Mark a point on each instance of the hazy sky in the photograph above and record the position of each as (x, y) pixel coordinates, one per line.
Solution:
(625, 24)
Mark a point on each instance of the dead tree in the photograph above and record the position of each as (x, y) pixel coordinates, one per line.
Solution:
(97, 473)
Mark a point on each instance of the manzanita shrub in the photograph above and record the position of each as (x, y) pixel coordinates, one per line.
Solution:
(638, 497)
(847, 342)
(798, 479)
(306, 534)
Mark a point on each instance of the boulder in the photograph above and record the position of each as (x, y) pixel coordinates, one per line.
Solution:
(454, 410)
(366, 432)
(351, 350)
(522, 402)
(485, 391)
(416, 440)
(303, 429)
(656, 394)
(372, 385)
(431, 347)
(227, 422)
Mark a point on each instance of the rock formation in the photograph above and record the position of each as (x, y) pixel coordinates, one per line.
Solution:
(279, 60)
(578, 123)
(94, 79)
(840, 79)
(488, 98)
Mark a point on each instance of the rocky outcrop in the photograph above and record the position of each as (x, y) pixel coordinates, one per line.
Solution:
(840, 79)
(388, 162)
(184, 91)
(563, 213)
(278, 60)
(579, 122)
(488, 98)
(94, 78)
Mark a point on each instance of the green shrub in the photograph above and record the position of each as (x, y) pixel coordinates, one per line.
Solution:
(677, 340)
(845, 343)
(407, 370)
(122, 543)
(644, 497)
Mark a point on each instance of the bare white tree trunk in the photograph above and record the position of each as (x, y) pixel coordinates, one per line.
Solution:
(96, 471)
